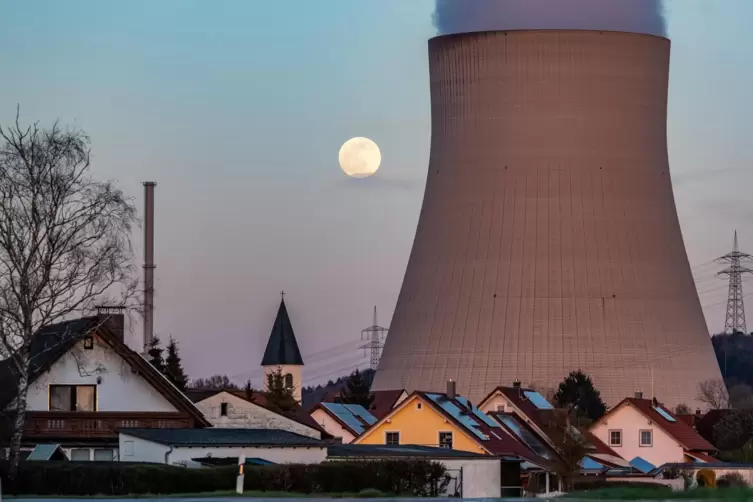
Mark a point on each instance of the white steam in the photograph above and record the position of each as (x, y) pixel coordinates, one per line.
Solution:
(635, 16)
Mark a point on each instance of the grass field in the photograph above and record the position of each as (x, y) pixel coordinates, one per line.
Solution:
(663, 493)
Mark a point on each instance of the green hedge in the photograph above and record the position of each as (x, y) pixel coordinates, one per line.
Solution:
(400, 477)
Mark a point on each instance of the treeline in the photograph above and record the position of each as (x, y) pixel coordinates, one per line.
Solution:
(735, 356)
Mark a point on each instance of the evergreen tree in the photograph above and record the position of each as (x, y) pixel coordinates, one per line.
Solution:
(577, 392)
(174, 367)
(356, 391)
(249, 390)
(280, 398)
(155, 355)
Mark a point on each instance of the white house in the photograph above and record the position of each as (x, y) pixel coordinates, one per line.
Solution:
(86, 383)
(234, 409)
(344, 421)
(648, 435)
(188, 446)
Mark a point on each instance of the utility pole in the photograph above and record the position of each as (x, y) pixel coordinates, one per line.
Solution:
(734, 321)
(375, 335)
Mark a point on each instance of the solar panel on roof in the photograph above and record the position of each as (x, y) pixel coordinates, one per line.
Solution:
(477, 412)
(664, 414)
(642, 465)
(590, 464)
(345, 416)
(526, 436)
(361, 412)
(456, 413)
(537, 400)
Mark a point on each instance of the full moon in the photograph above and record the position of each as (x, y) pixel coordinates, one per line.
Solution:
(360, 157)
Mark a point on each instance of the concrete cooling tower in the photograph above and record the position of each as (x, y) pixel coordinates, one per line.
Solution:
(548, 240)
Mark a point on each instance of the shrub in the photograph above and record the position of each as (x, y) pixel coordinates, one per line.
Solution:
(732, 479)
(401, 477)
(706, 478)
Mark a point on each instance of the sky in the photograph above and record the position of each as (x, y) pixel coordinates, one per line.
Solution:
(238, 108)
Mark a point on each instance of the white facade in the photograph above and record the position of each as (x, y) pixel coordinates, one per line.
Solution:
(118, 387)
(332, 426)
(133, 449)
(630, 422)
(482, 478)
(242, 414)
(497, 403)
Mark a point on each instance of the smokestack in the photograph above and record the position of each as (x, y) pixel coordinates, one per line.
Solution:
(148, 264)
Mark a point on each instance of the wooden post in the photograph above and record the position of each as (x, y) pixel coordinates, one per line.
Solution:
(239, 481)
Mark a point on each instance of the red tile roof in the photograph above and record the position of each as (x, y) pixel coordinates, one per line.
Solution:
(680, 430)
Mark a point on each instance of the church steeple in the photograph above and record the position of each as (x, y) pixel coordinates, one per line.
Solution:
(282, 353)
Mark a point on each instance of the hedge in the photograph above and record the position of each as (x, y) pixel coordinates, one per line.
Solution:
(400, 477)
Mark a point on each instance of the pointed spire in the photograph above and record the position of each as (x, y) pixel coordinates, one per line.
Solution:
(282, 347)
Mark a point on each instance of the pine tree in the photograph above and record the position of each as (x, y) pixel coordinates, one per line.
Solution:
(173, 366)
(356, 391)
(280, 398)
(249, 390)
(577, 392)
(155, 355)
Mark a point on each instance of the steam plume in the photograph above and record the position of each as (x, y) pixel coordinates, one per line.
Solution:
(636, 16)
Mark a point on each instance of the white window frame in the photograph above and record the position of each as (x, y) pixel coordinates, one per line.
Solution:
(611, 443)
(386, 435)
(640, 438)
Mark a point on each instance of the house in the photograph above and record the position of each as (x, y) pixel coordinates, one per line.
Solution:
(187, 447)
(231, 408)
(525, 413)
(86, 383)
(648, 435)
(383, 402)
(345, 421)
(282, 353)
(472, 475)
(446, 421)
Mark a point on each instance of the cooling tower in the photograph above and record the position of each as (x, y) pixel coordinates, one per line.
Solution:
(548, 240)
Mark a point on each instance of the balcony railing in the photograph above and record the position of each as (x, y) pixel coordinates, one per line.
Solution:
(98, 424)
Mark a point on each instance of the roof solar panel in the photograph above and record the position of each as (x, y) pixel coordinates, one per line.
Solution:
(477, 412)
(346, 416)
(642, 465)
(538, 400)
(456, 413)
(526, 436)
(590, 464)
(664, 414)
(361, 412)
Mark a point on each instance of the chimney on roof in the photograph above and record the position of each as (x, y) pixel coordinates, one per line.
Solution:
(113, 319)
(639, 395)
(516, 384)
(698, 412)
(450, 389)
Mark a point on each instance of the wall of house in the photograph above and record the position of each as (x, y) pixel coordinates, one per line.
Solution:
(242, 414)
(418, 427)
(665, 448)
(332, 426)
(133, 449)
(296, 371)
(118, 388)
(482, 478)
(498, 402)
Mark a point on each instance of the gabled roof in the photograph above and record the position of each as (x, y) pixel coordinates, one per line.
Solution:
(224, 437)
(678, 429)
(53, 341)
(384, 400)
(47, 452)
(352, 417)
(282, 347)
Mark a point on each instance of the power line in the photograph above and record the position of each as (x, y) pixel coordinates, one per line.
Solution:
(734, 321)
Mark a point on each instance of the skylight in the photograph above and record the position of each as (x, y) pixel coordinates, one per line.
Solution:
(538, 400)
(665, 415)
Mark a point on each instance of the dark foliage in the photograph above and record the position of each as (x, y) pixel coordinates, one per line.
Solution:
(577, 392)
(315, 394)
(356, 391)
(156, 357)
(280, 398)
(735, 356)
(174, 367)
(214, 382)
(400, 477)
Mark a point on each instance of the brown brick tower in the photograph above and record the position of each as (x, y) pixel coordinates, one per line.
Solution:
(548, 240)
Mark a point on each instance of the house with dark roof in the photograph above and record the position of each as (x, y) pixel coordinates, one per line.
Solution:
(648, 435)
(282, 353)
(86, 383)
(383, 402)
(188, 447)
(237, 409)
(344, 421)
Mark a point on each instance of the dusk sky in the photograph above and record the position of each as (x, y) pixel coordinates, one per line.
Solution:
(237, 109)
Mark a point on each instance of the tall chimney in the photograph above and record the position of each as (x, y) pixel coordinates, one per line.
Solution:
(148, 264)
(639, 395)
(451, 389)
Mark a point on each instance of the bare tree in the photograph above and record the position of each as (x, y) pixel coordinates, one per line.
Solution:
(64, 244)
(714, 393)
(214, 382)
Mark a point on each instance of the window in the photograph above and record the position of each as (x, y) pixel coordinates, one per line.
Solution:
(73, 398)
(89, 343)
(501, 407)
(419, 406)
(289, 381)
(445, 440)
(127, 448)
(103, 455)
(615, 438)
(223, 409)
(647, 438)
(80, 455)
(392, 438)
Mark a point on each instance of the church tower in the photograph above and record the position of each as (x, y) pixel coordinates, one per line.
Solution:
(282, 353)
